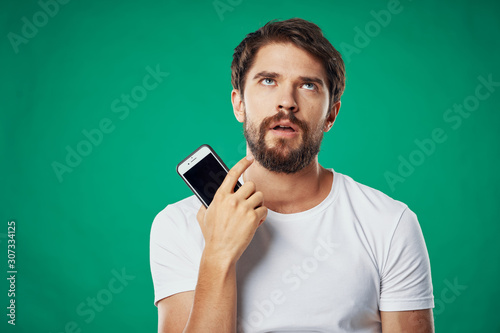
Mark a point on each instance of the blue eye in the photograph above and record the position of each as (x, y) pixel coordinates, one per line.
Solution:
(309, 86)
(268, 82)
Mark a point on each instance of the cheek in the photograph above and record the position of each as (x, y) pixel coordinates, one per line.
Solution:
(254, 111)
(314, 101)
(254, 105)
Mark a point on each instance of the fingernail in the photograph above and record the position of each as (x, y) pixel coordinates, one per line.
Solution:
(250, 157)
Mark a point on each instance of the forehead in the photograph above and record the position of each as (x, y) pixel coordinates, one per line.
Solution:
(288, 60)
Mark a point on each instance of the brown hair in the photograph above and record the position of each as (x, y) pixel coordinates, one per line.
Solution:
(304, 34)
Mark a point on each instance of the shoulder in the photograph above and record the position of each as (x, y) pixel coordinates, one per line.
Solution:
(176, 245)
(375, 212)
(368, 199)
(390, 229)
(179, 216)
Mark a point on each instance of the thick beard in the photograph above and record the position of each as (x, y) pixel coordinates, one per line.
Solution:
(281, 158)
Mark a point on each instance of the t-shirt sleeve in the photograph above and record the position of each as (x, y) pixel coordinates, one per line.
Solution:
(174, 255)
(406, 276)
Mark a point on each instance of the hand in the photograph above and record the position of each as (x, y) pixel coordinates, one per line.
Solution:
(230, 222)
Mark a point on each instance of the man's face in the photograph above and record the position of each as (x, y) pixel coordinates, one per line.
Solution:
(285, 107)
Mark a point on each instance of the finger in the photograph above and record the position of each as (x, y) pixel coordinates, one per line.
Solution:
(201, 213)
(246, 190)
(232, 176)
(256, 199)
(262, 213)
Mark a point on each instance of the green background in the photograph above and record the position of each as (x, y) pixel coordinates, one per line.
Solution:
(72, 232)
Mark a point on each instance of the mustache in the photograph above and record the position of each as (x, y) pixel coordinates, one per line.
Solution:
(290, 116)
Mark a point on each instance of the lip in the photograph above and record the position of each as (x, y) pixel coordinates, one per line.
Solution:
(284, 134)
(284, 123)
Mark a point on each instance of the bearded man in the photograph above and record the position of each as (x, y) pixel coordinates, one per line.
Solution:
(299, 247)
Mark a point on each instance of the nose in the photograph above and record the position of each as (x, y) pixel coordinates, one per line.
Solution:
(287, 101)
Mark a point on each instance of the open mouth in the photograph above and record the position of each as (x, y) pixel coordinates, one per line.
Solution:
(283, 128)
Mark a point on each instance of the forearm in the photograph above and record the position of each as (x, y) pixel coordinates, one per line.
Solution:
(214, 306)
(228, 226)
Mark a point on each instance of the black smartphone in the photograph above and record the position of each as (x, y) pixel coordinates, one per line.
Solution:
(203, 171)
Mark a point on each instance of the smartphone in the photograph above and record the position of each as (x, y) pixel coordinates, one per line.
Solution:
(203, 171)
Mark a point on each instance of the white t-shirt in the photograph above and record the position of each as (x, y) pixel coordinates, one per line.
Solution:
(331, 268)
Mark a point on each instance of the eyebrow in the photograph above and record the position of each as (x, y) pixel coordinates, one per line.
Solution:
(312, 79)
(265, 74)
(274, 75)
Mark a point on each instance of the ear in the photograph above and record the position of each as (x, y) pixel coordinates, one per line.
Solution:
(332, 116)
(238, 105)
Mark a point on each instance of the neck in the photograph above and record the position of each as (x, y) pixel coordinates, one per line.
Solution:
(291, 193)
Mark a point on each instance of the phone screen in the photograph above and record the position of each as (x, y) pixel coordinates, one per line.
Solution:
(206, 177)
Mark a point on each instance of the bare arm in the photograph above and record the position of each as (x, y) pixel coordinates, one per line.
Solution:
(416, 321)
(173, 312)
(210, 308)
(228, 226)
